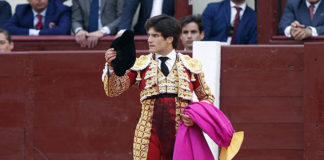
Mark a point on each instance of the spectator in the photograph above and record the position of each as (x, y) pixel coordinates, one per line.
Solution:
(92, 20)
(148, 9)
(6, 45)
(5, 12)
(230, 21)
(302, 19)
(40, 17)
(192, 29)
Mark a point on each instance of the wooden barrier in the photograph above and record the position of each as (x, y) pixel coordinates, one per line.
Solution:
(314, 101)
(268, 20)
(62, 43)
(50, 43)
(262, 93)
(53, 105)
(285, 40)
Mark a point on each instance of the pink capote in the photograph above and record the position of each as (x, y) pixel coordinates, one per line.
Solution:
(190, 142)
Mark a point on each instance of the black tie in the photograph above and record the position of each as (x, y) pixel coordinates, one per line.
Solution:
(164, 67)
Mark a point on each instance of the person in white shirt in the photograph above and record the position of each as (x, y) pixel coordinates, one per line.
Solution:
(302, 19)
(40, 17)
(93, 19)
(230, 21)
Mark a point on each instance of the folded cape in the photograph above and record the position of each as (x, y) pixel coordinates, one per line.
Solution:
(190, 142)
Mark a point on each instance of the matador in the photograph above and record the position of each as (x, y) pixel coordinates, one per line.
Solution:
(166, 81)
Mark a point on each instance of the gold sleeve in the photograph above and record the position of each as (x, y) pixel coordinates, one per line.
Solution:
(114, 85)
(201, 88)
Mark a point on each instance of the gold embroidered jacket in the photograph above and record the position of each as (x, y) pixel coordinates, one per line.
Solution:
(184, 78)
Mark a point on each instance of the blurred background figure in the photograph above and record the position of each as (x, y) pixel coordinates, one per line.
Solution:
(230, 21)
(5, 12)
(6, 44)
(192, 29)
(92, 20)
(302, 19)
(149, 8)
(40, 17)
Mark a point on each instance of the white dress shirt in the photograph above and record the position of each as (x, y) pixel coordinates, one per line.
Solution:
(314, 31)
(35, 32)
(170, 62)
(156, 8)
(233, 14)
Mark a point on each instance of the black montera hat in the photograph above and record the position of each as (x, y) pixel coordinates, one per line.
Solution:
(125, 53)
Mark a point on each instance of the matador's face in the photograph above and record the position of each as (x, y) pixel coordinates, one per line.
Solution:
(157, 43)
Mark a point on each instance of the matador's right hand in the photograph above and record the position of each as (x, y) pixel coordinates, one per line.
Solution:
(110, 55)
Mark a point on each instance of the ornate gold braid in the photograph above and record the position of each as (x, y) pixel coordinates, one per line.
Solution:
(180, 105)
(115, 85)
(203, 91)
(143, 131)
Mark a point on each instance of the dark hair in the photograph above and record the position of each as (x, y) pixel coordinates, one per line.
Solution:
(7, 34)
(193, 18)
(167, 25)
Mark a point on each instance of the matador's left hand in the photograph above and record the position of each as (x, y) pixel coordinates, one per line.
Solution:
(187, 120)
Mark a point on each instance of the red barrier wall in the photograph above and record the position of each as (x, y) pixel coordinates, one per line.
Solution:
(314, 101)
(67, 43)
(53, 105)
(262, 93)
(50, 43)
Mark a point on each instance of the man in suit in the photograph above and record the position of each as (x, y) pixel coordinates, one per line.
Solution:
(6, 44)
(230, 21)
(149, 8)
(5, 12)
(192, 29)
(40, 17)
(302, 19)
(92, 20)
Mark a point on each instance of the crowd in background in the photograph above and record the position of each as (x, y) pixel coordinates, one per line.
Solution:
(230, 21)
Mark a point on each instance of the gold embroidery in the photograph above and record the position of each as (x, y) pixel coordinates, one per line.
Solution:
(180, 105)
(203, 91)
(183, 87)
(142, 62)
(115, 85)
(143, 131)
(190, 63)
(178, 82)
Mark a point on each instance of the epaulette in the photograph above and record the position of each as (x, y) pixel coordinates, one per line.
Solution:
(193, 65)
(142, 62)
